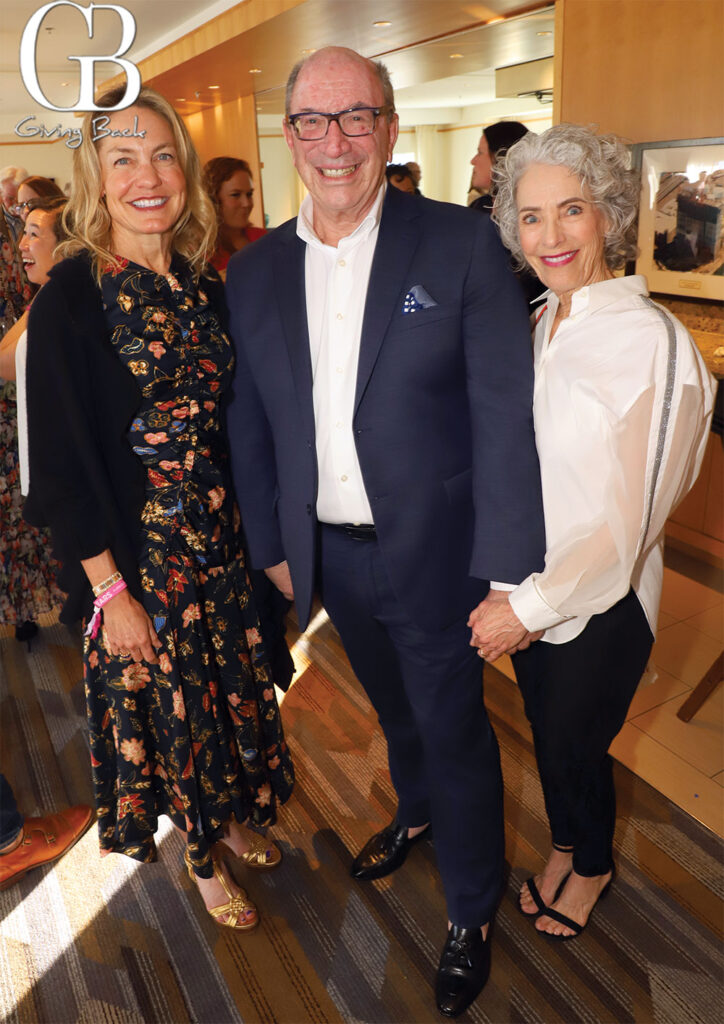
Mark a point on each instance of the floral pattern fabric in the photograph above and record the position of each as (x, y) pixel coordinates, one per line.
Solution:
(15, 291)
(197, 736)
(27, 569)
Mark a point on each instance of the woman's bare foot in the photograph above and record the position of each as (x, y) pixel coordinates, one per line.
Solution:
(214, 895)
(579, 897)
(236, 837)
(254, 849)
(547, 883)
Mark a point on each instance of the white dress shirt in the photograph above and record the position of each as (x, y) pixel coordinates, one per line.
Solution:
(622, 407)
(336, 280)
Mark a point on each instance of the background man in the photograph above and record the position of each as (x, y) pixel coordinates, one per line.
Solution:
(416, 172)
(401, 177)
(27, 843)
(10, 178)
(383, 450)
(15, 292)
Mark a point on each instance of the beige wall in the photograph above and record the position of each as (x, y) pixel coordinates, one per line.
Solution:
(51, 159)
(649, 70)
(230, 130)
(282, 186)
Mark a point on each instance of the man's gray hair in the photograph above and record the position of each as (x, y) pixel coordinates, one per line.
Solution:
(11, 173)
(602, 164)
(377, 66)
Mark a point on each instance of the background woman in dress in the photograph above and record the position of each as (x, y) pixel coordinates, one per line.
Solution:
(229, 185)
(128, 363)
(28, 572)
(622, 405)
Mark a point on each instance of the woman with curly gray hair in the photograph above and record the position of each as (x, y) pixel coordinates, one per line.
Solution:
(622, 405)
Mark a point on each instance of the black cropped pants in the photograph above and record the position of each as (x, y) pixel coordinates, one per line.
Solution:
(577, 695)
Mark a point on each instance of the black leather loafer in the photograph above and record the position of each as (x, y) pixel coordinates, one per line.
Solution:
(384, 853)
(464, 969)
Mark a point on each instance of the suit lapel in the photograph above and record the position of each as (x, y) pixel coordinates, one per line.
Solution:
(292, 306)
(396, 244)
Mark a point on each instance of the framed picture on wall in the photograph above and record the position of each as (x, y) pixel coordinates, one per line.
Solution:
(681, 217)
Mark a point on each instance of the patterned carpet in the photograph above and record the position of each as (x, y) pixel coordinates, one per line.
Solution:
(106, 940)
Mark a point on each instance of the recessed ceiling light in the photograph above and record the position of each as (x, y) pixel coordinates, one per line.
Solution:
(310, 49)
(65, 83)
(381, 24)
(455, 56)
(254, 71)
(180, 99)
(544, 33)
(214, 87)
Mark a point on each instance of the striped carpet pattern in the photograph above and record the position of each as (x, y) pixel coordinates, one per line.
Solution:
(94, 940)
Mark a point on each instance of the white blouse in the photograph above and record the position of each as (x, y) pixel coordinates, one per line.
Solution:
(21, 356)
(622, 407)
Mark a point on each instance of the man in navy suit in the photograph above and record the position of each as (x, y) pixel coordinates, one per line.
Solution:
(383, 451)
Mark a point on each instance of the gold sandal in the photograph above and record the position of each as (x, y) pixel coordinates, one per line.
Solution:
(236, 906)
(262, 854)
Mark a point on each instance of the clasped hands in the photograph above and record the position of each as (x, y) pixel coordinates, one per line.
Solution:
(496, 629)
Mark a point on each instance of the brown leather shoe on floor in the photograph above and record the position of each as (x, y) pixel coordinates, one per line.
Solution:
(44, 840)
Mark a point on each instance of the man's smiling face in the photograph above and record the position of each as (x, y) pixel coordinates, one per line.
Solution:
(342, 174)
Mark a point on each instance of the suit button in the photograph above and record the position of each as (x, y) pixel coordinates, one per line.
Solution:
(309, 510)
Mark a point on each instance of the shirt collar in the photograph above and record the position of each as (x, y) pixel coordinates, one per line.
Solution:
(593, 297)
(305, 224)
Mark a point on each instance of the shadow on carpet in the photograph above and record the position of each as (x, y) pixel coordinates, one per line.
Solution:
(96, 940)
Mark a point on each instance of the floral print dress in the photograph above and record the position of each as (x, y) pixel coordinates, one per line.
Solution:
(27, 568)
(197, 736)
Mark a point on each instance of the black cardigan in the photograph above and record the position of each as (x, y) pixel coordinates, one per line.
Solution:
(86, 483)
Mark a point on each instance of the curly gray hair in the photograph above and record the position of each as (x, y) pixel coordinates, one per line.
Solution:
(602, 164)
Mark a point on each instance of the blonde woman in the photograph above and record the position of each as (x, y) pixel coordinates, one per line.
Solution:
(128, 361)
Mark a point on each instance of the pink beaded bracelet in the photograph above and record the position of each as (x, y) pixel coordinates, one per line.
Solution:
(104, 598)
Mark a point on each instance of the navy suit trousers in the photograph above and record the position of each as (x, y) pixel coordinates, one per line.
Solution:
(427, 690)
(11, 820)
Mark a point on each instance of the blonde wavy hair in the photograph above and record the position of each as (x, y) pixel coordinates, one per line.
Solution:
(86, 218)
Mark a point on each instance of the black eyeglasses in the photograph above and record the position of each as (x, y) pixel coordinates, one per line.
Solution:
(312, 125)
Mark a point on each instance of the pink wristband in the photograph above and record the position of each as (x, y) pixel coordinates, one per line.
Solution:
(104, 598)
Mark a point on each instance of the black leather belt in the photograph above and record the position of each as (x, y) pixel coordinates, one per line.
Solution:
(357, 531)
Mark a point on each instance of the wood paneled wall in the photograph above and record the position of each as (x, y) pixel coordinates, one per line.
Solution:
(648, 70)
(229, 129)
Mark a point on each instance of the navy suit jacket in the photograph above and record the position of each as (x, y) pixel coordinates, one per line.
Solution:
(443, 418)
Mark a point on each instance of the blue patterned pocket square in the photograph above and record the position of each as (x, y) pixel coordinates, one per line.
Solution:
(416, 299)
